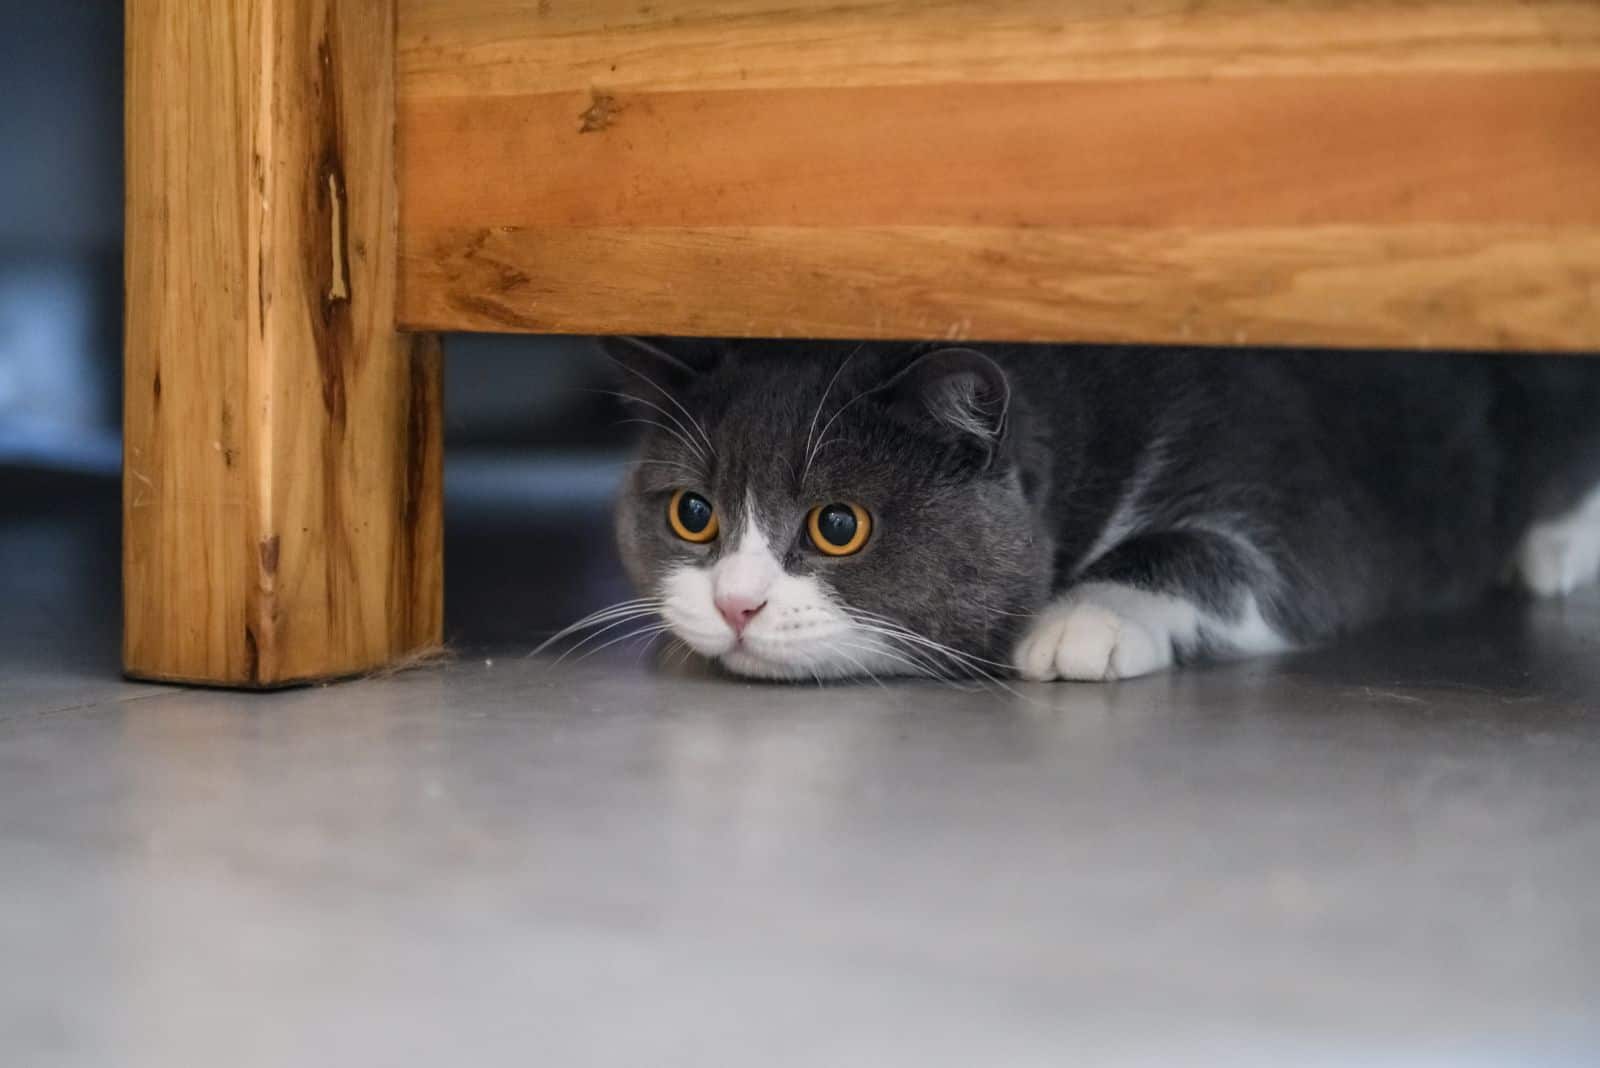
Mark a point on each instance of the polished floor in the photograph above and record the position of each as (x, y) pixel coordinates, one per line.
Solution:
(1386, 852)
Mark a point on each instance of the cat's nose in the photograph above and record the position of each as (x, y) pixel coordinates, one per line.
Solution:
(738, 610)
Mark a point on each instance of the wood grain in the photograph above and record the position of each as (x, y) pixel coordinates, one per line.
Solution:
(1427, 287)
(281, 458)
(1312, 150)
(481, 48)
(1361, 172)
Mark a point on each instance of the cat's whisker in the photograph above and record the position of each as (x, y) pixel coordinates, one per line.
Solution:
(862, 614)
(840, 647)
(631, 398)
(669, 431)
(678, 430)
(973, 673)
(948, 650)
(693, 449)
(911, 656)
(920, 663)
(824, 400)
(679, 405)
(966, 662)
(631, 617)
(658, 387)
(820, 437)
(642, 605)
(955, 672)
(993, 611)
(599, 615)
(648, 631)
(923, 667)
(638, 656)
(985, 678)
(823, 445)
(695, 471)
(917, 670)
(618, 606)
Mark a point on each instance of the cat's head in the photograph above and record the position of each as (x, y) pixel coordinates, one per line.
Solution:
(825, 510)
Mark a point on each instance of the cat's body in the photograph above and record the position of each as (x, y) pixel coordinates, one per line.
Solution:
(1090, 513)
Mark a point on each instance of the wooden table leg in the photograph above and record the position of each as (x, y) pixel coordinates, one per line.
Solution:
(281, 485)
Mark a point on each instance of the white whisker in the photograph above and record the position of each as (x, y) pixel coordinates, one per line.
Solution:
(918, 670)
(648, 631)
(620, 606)
(695, 471)
(905, 631)
(836, 439)
(678, 653)
(820, 437)
(824, 400)
(631, 617)
(840, 647)
(966, 662)
(677, 432)
(665, 429)
(675, 402)
(635, 399)
(642, 605)
(909, 655)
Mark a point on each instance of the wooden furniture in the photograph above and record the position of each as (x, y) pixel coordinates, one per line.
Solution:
(315, 186)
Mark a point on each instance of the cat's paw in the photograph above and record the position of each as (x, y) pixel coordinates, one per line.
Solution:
(1559, 555)
(1086, 642)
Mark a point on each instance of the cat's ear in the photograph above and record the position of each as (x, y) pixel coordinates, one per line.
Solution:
(961, 392)
(668, 364)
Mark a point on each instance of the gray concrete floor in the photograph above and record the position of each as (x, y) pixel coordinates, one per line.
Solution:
(1382, 852)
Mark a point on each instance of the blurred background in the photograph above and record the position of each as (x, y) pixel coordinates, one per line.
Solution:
(534, 452)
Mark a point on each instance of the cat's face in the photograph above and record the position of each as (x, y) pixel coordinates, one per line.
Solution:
(828, 511)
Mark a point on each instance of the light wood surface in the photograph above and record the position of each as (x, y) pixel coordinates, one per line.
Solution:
(281, 464)
(1328, 172)
(1172, 153)
(452, 48)
(1432, 287)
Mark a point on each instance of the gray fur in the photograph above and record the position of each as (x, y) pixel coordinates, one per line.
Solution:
(1333, 489)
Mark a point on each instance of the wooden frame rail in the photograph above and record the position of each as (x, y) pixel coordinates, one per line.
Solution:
(1309, 172)
(309, 180)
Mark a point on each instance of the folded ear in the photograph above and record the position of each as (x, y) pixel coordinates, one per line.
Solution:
(668, 364)
(961, 392)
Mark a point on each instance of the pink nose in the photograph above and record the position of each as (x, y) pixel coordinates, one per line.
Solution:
(738, 611)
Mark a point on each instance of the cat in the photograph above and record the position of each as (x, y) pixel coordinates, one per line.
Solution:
(825, 510)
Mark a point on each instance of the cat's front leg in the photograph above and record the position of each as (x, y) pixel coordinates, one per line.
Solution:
(1153, 603)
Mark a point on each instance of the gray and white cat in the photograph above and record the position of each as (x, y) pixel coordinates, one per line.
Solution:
(821, 510)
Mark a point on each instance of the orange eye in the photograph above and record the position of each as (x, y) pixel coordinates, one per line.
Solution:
(839, 529)
(691, 517)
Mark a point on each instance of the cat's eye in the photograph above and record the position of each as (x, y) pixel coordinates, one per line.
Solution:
(838, 529)
(691, 517)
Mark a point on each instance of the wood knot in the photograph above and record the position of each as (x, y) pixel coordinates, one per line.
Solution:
(269, 556)
(601, 114)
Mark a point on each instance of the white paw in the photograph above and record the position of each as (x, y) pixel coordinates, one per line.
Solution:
(1556, 558)
(1083, 641)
